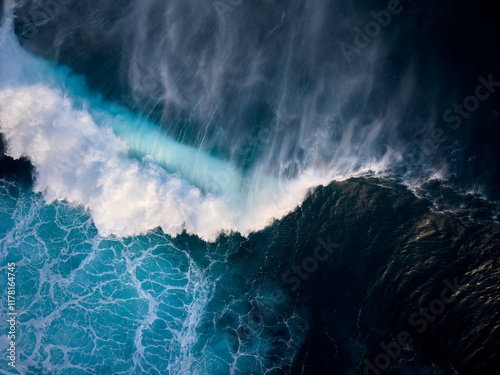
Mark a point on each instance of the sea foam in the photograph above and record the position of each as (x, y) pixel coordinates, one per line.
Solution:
(129, 175)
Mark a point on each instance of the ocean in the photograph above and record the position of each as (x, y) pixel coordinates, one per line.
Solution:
(265, 187)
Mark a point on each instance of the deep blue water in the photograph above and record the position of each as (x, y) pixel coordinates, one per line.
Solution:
(257, 187)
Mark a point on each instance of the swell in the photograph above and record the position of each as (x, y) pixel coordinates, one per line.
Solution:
(390, 259)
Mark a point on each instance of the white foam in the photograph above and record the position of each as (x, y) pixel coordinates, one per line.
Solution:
(81, 149)
(81, 161)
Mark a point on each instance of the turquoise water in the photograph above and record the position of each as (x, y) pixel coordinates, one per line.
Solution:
(94, 305)
(187, 203)
(99, 289)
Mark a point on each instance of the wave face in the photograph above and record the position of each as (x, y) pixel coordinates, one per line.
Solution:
(283, 87)
(258, 110)
(263, 187)
(131, 175)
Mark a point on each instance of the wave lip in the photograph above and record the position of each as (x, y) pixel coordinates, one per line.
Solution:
(78, 161)
(129, 175)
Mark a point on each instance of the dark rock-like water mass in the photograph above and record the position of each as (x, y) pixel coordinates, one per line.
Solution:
(373, 265)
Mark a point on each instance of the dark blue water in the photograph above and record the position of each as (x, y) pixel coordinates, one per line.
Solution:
(250, 188)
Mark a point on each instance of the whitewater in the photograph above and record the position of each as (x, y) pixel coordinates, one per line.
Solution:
(194, 192)
(131, 176)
